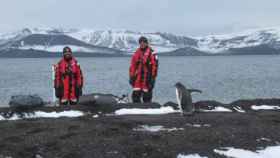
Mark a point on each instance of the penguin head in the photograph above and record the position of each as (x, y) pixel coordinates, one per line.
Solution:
(179, 85)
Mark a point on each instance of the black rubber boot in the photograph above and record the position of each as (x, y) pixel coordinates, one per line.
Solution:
(147, 96)
(136, 96)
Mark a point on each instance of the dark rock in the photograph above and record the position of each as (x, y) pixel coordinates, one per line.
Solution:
(23, 104)
(247, 104)
(138, 105)
(99, 99)
(172, 104)
(26, 101)
(208, 105)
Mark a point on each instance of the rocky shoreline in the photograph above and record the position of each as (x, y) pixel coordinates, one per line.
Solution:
(116, 136)
(100, 133)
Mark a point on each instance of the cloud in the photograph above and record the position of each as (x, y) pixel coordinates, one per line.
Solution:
(191, 17)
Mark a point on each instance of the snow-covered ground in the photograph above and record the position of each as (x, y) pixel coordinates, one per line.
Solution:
(135, 111)
(265, 107)
(269, 152)
(147, 128)
(198, 125)
(41, 114)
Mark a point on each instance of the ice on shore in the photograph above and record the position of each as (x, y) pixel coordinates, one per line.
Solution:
(269, 152)
(265, 107)
(41, 114)
(147, 128)
(135, 111)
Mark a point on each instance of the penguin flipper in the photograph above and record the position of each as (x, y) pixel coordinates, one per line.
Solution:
(195, 90)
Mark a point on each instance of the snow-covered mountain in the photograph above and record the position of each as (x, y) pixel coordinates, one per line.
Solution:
(124, 41)
(269, 37)
(128, 40)
(49, 40)
(116, 39)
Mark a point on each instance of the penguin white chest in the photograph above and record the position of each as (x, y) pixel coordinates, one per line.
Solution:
(179, 97)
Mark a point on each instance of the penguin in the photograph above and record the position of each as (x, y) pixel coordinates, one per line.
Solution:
(184, 98)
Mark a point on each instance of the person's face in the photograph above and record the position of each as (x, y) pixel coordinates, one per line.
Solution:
(68, 55)
(143, 45)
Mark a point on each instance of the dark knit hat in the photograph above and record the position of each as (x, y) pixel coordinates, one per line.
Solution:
(67, 49)
(143, 39)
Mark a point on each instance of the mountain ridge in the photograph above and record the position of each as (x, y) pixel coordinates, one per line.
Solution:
(126, 41)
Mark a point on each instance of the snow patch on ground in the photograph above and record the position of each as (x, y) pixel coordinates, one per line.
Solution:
(190, 156)
(95, 116)
(264, 139)
(147, 128)
(198, 125)
(135, 111)
(265, 107)
(238, 109)
(218, 109)
(14, 117)
(41, 114)
(269, 152)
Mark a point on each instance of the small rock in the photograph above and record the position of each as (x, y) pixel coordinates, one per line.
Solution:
(38, 156)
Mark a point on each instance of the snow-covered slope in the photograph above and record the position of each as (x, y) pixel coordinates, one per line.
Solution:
(90, 40)
(245, 39)
(117, 39)
(128, 40)
(50, 40)
(166, 42)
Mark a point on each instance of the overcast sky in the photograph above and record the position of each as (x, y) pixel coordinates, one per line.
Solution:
(187, 17)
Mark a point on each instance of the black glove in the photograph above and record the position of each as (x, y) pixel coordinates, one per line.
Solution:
(132, 80)
(59, 92)
(79, 91)
(152, 83)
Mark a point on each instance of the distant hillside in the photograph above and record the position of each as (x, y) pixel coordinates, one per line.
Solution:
(121, 42)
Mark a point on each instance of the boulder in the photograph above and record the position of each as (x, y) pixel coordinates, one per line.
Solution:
(26, 101)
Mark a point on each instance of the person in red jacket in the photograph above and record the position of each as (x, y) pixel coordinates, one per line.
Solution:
(143, 72)
(68, 79)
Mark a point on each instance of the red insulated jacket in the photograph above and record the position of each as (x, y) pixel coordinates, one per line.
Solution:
(68, 80)
(143, 69)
